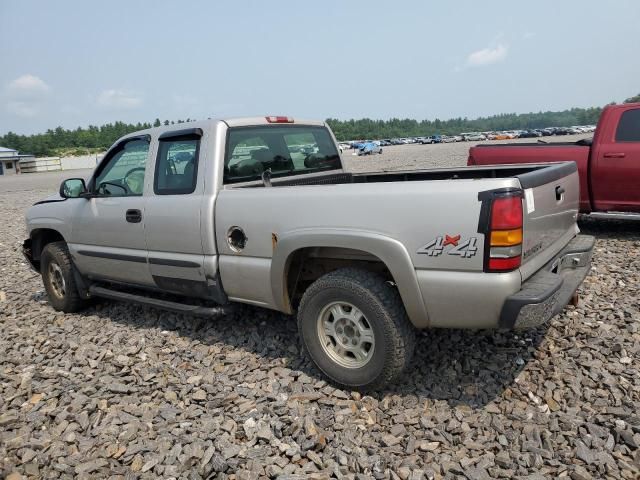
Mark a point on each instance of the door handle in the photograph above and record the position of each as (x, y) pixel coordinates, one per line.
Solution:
(614, 155)
(133, 215)
(559, 192)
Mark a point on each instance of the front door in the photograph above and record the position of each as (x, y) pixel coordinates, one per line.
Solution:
(108, 241)
(616, 175)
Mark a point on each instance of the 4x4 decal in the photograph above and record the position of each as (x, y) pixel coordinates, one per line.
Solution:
(464, 249)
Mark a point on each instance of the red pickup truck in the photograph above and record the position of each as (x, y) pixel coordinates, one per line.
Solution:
(608, 164)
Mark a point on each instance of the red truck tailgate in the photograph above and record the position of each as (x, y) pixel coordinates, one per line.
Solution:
(513, 153)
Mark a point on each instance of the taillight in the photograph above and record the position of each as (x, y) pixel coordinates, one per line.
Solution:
(279, 119)
(505, 233)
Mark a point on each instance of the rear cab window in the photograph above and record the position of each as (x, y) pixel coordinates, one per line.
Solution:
(282, 150)
(629, 126)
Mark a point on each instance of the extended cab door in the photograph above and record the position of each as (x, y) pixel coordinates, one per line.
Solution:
(107, 237)
(173, 217)
(615, 172)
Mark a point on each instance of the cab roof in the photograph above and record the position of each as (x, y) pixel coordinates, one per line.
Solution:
(212, 123)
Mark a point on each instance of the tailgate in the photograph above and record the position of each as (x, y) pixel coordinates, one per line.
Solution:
(550, 210)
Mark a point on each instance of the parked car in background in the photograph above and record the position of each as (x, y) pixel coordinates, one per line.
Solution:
(530, 134)
(501, 136)
(475, 137)
(448, 139)
(369, 148)
(609, 165)
(426, 140)
(436, 139)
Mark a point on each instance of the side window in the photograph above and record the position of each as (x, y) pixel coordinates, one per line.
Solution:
(629, 126)
(123, 174)
(177, 165)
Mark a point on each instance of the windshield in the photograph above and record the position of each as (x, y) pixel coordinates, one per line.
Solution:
(283, 150)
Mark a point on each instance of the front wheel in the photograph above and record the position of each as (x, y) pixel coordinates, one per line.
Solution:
(354, 327)
(57, 275)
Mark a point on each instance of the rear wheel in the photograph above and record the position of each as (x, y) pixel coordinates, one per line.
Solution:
(56, 268)
(353, 326)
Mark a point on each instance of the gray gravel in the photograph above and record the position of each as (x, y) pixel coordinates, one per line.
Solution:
(132, 392)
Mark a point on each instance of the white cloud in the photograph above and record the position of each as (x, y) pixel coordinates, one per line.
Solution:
(25, 95)
(27, 86)
(487, 56)
(528, 35)
(118, 99)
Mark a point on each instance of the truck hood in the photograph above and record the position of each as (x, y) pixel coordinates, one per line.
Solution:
(51, 198)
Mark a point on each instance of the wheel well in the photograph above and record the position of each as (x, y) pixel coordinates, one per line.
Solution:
(306, 265)
(40, 238)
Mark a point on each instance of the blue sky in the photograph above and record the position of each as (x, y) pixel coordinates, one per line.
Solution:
(75, 63)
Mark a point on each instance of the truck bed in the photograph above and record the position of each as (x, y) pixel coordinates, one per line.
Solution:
(530, 174)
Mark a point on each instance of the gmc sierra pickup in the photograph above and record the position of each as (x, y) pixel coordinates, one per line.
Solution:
(609, 165)
(260, 211)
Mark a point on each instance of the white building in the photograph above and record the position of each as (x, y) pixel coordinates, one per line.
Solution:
(10, 161)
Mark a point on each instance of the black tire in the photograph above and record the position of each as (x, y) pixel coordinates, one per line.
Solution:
(383, 311)
(56, 265)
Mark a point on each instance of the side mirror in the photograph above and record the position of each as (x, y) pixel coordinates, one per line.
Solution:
(72, 188)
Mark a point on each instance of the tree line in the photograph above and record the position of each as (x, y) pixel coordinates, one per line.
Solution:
(93, 139)
(81, 141)
(396, 127)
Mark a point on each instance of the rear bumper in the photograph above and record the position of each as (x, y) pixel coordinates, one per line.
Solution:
(28, 255)
(547, 292)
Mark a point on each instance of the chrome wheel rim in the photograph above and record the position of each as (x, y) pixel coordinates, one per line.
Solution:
(346, 335)
(56, 280)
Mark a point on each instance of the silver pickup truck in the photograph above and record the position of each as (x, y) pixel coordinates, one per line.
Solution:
(260, 211)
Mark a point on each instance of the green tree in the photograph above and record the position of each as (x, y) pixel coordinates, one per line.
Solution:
(635, 99)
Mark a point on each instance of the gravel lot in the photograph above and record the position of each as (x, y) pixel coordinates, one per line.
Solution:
(407, 157)
(124, 391)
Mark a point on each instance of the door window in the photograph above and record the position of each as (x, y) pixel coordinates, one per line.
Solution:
(123, 174)
(629, 126)
(177, 165)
